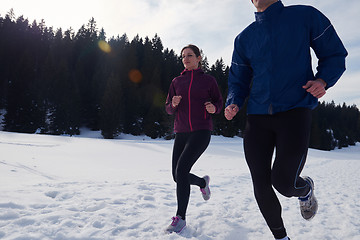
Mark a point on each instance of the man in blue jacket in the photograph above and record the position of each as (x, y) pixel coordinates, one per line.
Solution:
(271, 68)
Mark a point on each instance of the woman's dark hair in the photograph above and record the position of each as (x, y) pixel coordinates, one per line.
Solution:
(195, 49)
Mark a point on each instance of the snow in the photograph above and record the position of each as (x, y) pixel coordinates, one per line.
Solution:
(85, 187)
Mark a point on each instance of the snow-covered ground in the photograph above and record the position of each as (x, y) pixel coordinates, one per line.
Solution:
(57, 187)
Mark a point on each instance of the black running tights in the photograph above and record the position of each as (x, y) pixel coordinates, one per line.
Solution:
(188, 147)
(288, 133)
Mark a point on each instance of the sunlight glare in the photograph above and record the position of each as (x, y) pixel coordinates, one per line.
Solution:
(159, 99)
(135, 76)
(104, 46)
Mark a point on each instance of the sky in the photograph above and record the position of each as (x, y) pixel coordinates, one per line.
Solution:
(211, 25)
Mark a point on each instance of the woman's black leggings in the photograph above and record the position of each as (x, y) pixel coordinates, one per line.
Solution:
(188, 147)
(288, 133)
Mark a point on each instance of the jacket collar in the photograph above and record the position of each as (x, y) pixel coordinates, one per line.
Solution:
(273, 10)
(198, 70)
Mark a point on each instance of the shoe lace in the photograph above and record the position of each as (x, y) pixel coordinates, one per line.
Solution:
(175, 220)
(307, 203)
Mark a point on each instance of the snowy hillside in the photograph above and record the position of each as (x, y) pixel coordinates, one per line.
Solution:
(55, 187)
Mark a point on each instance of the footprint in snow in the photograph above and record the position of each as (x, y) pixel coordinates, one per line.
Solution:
(52, 194)
(11, 205)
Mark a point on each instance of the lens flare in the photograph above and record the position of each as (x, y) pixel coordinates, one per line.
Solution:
(135, 76)
(159, 99)
(104, 46)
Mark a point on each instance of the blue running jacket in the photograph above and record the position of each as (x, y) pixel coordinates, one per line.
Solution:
(272, 60)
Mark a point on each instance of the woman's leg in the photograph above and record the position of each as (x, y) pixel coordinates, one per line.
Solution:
(192, 148)
(182, 141)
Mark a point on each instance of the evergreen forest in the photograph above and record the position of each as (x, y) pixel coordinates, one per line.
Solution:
(55, 82)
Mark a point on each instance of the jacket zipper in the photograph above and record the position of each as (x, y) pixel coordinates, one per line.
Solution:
(192, 77)
(270, 109)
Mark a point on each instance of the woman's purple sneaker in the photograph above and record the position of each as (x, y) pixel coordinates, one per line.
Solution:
(177, 225)
(206, 190)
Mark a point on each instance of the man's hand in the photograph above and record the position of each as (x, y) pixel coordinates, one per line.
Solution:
(316, 87)
(231, 111)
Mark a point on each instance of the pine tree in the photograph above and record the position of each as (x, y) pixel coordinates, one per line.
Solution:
(112, 110)
(63, 99)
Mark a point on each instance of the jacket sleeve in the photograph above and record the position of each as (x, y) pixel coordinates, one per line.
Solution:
(240, 76)
(328, 48)
(168, 104)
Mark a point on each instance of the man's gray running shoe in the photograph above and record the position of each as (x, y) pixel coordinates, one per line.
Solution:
(308, 204)
(206, 190)
(177, 225)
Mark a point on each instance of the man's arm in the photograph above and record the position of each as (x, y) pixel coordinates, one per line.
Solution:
(328, 48)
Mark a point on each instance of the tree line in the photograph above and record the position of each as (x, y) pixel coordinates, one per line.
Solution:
(55, 82)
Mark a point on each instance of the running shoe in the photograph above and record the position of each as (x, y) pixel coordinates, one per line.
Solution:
(308, 204)
(177, 225)
(206, 190)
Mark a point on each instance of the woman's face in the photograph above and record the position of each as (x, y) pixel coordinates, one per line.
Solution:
(189, 59)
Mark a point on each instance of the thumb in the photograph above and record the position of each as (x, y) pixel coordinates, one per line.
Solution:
(307, 85)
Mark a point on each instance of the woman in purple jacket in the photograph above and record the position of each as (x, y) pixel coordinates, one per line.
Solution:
(193, 97)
